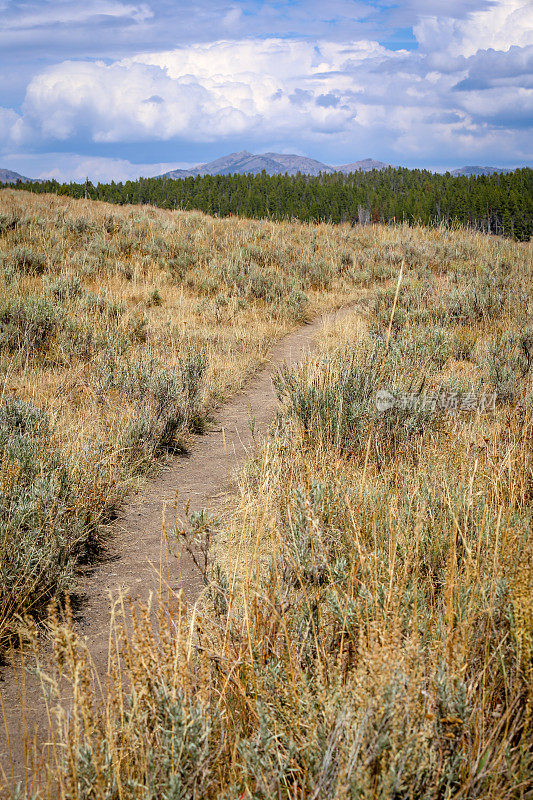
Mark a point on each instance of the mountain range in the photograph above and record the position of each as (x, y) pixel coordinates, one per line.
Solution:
(244, 163)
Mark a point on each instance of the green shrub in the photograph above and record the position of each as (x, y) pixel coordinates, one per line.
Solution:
(265, 285)
(463, 344)
(79, 340)
(8, 222)
(168, 402)
(39, 531)
(8, 274)
(154, 298)
(316, 274)
(473, 303)
(296, 303)
(27, 261)
(79, 225)
(65, 287)
(335, 402)
(507, 360)
(138, 327)
(28, 323)
(112, 308)
(177, 265)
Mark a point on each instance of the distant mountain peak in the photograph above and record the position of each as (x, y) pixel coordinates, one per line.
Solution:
(364, 165)
(8, 176)
(475, 170)
(245, 163)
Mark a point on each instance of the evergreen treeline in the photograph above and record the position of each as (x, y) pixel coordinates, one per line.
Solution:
(498, 203)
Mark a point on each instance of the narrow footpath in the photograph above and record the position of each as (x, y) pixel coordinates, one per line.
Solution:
(134, 548)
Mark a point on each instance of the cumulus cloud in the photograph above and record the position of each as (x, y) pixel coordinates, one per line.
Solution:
(201, 92)
(467, 87)
(489, 68)
(501, 25)
(497, 87)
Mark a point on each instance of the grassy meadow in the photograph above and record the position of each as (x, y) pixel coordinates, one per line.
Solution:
(120, 329)
(366, 629)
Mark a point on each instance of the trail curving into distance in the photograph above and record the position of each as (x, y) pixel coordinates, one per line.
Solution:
(134, 547)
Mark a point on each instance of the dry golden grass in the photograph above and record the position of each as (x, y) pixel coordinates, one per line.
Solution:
(99, 307)
(366, 629)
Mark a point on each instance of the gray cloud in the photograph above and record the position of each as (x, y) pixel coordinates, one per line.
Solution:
(489, 68)
(329, 100)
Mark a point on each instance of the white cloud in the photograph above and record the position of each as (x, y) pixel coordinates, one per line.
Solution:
(72, 167)
(9, 123)
(510, 107)
(202, 92)
(68, 13)
(503, 24)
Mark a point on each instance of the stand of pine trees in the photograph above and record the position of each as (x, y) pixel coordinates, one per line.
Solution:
(499, 204)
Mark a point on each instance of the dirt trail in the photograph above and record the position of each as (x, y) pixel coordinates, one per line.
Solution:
(134, 546)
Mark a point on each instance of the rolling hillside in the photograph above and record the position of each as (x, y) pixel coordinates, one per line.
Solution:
(363, 625)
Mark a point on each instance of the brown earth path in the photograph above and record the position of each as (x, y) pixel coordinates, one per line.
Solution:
(133, 559)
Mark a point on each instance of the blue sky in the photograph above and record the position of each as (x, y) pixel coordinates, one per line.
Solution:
(119, 88)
